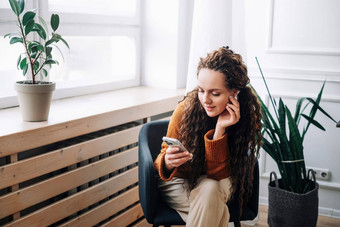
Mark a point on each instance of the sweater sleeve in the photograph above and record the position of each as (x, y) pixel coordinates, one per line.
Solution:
(173, 132)
(217, 156)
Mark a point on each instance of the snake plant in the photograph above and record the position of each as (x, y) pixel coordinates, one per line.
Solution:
(283, 140)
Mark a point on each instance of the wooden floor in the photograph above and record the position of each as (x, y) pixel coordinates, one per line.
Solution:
(323, 221)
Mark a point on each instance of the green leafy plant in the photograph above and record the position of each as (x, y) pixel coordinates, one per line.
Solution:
(38, 53)
(283, 141)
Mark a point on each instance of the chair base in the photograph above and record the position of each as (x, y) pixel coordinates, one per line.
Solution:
(237, 224)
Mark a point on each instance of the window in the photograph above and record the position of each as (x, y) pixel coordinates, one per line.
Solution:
(104, 39)
(103, 7)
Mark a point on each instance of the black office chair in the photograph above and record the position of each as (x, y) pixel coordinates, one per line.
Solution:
(156, 211)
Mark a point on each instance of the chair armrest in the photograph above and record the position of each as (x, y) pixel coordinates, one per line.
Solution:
(147, 181)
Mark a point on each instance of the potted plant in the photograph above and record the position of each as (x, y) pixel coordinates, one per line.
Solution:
(293, 199)
(34, 95)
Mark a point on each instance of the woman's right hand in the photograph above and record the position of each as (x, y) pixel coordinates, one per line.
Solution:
(175, 157)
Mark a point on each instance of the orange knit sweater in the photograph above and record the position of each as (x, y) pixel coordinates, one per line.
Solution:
(217, 156)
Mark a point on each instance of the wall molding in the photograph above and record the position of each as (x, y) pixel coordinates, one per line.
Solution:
(291, 74)
(296, 95)
(270, 49)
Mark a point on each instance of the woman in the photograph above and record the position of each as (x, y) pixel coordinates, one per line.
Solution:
(219, 123)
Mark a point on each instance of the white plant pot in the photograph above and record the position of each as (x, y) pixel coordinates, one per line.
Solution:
(34, 100)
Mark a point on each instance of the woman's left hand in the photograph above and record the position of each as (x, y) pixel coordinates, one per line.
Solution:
(230, 116)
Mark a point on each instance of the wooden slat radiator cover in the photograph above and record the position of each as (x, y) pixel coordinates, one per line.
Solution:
(86, 178)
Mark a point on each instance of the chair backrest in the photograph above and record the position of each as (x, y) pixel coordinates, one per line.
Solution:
(150, 138)
(153, 133)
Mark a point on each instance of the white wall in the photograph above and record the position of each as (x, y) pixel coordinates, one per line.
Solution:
(298, 46)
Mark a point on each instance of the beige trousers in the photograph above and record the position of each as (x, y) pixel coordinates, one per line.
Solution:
(205, 205)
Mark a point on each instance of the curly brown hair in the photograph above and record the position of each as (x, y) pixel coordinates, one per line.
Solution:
(244, 138)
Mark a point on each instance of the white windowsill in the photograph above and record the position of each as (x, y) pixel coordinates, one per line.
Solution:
(69, 109)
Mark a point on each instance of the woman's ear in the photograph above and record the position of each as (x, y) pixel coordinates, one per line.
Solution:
(235, 92)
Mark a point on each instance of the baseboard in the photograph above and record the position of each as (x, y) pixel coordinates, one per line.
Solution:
(263, 200)
(329, 212)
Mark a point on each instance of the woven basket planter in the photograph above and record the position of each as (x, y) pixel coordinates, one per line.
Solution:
(288, 209)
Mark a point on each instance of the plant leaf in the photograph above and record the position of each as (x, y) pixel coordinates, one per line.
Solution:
(23, 63)
(34, 54)
(297, 152)
(27, 17)
(48, 51)
(57, 36)
(30, 47)
(297, 110)
(15, 40)
(42, 32)
(314, 122)
(282, 116)
(24, 70)
(64, 41)
(50, 62)
(61, 53)
(44, 72)
(322, 110)
(29, 26)
(278, 137)
(52, 40)
(268, 117)
(18, 61)
(265, 83)
(314, 110)
(269, 148)
(54, 21)
(317, 101)
(36, 66)
(43, 22)
(294, 131)
(22, 6)
(15, 7)
(10, 35)
(282, 132)
(36, 45)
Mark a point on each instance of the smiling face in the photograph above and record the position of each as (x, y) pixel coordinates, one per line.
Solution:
(212, 92)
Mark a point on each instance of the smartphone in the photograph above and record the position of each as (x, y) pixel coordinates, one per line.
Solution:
(174, 142)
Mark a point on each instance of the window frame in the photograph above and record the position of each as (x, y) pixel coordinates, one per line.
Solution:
(87, 24)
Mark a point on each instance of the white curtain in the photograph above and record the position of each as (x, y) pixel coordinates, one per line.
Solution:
(211, 29)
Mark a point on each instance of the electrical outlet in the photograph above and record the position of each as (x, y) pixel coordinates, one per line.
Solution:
(321, 174)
